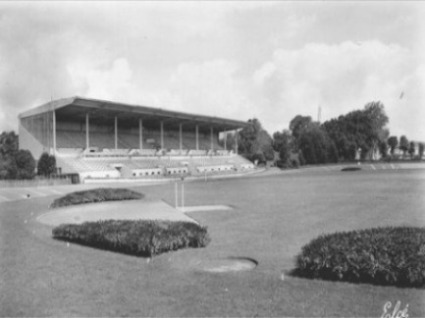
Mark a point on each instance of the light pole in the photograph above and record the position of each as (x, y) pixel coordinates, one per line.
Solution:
(176, 194)
(182, 206)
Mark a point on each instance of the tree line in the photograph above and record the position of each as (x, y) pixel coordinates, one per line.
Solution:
(18, 163)
(357, 135)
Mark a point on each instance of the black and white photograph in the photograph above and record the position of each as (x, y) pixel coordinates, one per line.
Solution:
(212, 158)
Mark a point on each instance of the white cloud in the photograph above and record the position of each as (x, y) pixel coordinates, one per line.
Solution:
(339, 78)
(229, 59)
(210, 87)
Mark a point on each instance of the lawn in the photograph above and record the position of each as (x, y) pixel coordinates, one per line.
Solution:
(273, 217)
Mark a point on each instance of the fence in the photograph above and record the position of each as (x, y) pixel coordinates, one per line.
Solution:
(34, 182)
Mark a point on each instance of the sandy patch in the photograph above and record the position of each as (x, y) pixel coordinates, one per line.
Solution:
(118, 210)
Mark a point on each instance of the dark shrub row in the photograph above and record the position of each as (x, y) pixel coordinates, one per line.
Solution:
(383, 256)
(96, 195)
(141, 238)
(351, 169)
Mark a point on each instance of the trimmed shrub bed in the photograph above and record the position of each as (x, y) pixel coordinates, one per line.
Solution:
(351, 169)
(382, 256)
(141, 238)
(96, 195)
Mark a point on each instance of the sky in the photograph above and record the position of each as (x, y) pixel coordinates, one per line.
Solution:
(239, 60)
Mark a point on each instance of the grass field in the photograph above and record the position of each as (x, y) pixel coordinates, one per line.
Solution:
(273, 217)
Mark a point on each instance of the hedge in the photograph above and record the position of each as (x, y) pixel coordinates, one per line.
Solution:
(351, 169)
(382, 256)
(96, 195)
(141, 238)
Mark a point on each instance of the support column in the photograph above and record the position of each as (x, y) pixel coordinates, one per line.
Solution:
(197, 137)
(212, 140)
(54, 132)
(87, 132)
(140, 133)
(225, 140)
(116, 132)
(236, 141)
(181, 136)
(162, 135)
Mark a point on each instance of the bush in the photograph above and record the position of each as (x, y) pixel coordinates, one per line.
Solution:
(351, 169)
(96, 195)
(25, 164)
(46, 165)
(141, 238)
(382, 256)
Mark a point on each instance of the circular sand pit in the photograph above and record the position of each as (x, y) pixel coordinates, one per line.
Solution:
(232, 264)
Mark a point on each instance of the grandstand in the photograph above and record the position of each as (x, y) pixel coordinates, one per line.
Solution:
(98, 140)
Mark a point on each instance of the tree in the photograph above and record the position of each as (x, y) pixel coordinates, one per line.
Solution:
(25, 164)
(363, 129)
(316, 146)
(404, 144)
(247, 138)
(8, 151)
(421, 150)
(383, 149)
(281, 144)
(254, 140)
(378, 120)
(8, 168)
(46, 165)
(265, 144)
(411, 149)
(298, 124)
(393, 142)
(8, 144)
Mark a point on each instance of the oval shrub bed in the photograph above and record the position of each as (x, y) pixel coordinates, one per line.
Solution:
(382, 256)
(351, 169)
(141, 238)
(96, 195)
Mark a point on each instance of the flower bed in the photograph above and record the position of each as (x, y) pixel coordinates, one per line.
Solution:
(96, 195)
(383, 256)
(141, 238)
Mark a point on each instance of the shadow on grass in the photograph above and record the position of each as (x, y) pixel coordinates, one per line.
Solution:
(328, 275)
(351, 169)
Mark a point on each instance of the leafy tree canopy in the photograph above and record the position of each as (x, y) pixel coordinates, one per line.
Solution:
(254, 140)
(46, 165)
(8, 143)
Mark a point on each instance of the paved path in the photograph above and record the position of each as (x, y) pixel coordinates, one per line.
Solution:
(15, 194)
(23, 193)
(122, 210)
(202, 208)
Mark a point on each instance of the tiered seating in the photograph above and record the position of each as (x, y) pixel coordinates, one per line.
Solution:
(177, 152)
(215, 168)
(221, 152)
(177, 171)
(128, 140)
(102, 139)
(142, 152)
(146, 162)
(69, 151)
(124, 165)
(147, 172)
(70, 139)
(197, 153)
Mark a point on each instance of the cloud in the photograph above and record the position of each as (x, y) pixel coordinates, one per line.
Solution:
(339, 78)
(270, 60)
(211, 87)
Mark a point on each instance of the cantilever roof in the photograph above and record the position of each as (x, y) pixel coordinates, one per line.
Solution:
(75, 108)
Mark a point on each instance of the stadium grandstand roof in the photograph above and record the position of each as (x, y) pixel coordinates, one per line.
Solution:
(101, 111)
